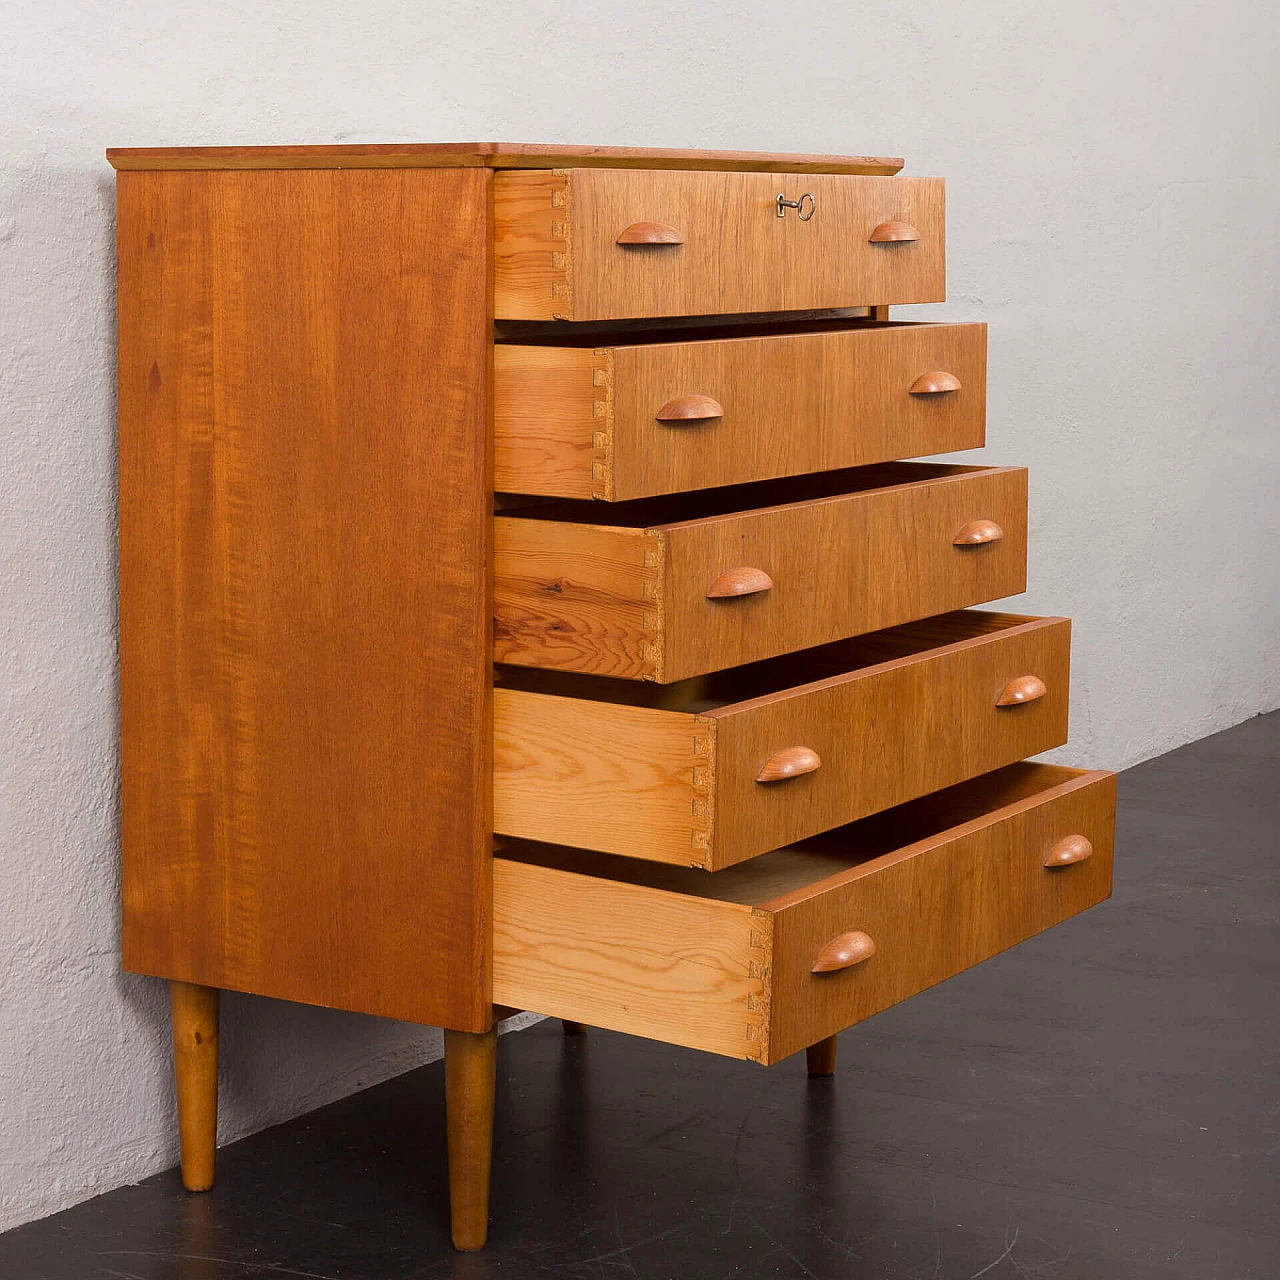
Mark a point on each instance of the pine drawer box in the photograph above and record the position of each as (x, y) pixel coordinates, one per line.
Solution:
(629, 424)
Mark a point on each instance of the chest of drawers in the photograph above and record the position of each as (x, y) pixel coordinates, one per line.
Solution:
(525, 604)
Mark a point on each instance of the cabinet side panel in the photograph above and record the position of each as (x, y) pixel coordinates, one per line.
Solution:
(304, 596)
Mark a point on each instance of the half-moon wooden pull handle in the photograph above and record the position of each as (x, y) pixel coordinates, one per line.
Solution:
(745, 581)
(893, 233)
(1023, 689)
(690, 409)
(934, 383)
(790, 763)
(651, 233)
(977, 532)
(1068, 850)
(843, 952)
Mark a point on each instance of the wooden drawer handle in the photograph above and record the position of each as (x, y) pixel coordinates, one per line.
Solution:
(1069, 850)
(893, 233)
(651, 233)
(935, 383)
(745, 581)
(790, 763)
(843, 952)
(690, 409)
(1023, 689)
(977, 532)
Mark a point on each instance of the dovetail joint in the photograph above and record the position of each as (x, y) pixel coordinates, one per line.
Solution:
(759, 971)
(602, 413)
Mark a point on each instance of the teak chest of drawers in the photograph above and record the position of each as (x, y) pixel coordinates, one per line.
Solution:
(629, 424)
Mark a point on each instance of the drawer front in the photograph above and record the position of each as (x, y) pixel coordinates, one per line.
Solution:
(736, 977)
(715, 244)
(840, 567)
(934, 911)
(684, 788)
(888, 735)
(598, 423)
(640, 604)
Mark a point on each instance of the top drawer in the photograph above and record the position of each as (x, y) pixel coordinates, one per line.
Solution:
(710, 243)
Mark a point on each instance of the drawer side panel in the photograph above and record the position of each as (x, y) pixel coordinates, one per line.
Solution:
(601, 776)
(629, 958)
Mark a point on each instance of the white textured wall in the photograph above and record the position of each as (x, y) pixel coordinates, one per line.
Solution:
(1113, 215)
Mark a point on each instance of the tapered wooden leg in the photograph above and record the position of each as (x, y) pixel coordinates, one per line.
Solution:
(572, 1028)
(822, 1057)
(194, 1013)
(469, 1064)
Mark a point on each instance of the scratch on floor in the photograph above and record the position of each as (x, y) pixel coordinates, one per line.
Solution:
(1008, 1249)
(263, 1268)
(779, 1247)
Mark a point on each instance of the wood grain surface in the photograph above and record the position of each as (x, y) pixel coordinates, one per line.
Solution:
(551, 421)
(578, 597)
(936, 908)
(578, 422)
(602, 775)
(737, 255)
(874, 548)
(470, 1063)
(493, 155)
(901, 716)
(723, 962)
(193, 1015)
(304, 612)
(630, 958)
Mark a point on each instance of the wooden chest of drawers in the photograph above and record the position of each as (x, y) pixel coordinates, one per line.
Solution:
(631, 426)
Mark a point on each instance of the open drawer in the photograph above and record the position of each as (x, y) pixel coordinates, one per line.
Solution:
(660, 412)
(780, 952)
(607, 244)
(712, 771)
(664, 588)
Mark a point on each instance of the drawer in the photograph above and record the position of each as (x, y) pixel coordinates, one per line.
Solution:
(710, 772)
(657, 417)
(666, 588)
(610, 244)
(778, 953)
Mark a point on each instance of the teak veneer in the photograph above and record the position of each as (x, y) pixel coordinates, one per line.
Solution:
(299, 425)
(751, 759)
(490, 155)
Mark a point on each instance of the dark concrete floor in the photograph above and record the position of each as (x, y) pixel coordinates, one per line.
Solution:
(1102, 1101)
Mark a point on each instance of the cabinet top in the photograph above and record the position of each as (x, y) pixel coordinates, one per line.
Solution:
(492, 155)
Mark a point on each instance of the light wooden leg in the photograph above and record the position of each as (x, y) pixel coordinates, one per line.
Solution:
(469, 1065)
(822, 1057)
(572, 1028)
(194, 1012)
